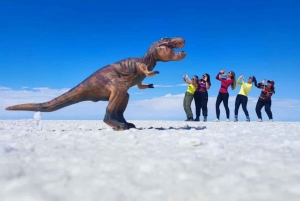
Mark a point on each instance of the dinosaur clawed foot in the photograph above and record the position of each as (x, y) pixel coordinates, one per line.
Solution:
(123, 126)
(117, 125)
(130, 125)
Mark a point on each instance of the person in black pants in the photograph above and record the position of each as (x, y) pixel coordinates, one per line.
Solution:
(264, 99)
(201, 97)
(223, 92)
(242, 97)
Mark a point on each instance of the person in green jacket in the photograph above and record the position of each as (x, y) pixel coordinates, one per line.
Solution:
(242, 97)
(189, 95)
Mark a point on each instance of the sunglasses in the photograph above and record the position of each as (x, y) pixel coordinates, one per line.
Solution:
(204, 75)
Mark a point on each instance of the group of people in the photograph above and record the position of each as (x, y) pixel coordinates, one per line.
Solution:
(197, 91)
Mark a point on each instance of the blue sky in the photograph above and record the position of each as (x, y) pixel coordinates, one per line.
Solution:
(48, 47)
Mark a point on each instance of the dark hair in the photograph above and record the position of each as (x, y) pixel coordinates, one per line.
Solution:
(257, 84)
(254, 80)
(208, 78)
(273, 88)
(197, 78)
(233, 85)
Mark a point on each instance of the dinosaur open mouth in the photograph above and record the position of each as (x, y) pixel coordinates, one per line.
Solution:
(173, 46)
(178, 53)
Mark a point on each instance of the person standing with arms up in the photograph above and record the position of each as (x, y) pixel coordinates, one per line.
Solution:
(189, 95)
(264, 99)
(242, 97)
(201, 97)
(223, 95)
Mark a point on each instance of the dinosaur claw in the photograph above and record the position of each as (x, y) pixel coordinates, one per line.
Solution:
(150, 86)
(130, 125)
(119, 127)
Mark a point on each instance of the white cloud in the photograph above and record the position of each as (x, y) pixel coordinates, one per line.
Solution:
(83, 110)
(181, 85)
(4, 88)
(163, 86)
(166, 86)
(167, 107)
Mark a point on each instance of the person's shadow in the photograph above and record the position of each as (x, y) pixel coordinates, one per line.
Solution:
(187, 127)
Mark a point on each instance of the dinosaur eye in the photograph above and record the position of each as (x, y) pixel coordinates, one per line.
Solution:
(165, 39)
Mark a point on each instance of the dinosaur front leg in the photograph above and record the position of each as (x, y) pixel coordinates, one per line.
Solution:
(144, 86)
(111, 116)
(120, 112)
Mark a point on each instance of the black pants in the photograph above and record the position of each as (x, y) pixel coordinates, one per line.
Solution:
(241, 100)
(222, 97)
(201, 99)
(260, 105)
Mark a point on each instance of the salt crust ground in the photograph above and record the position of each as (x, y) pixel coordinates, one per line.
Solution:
(162, 160)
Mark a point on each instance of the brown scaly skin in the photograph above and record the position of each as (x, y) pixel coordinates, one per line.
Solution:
(112, 82)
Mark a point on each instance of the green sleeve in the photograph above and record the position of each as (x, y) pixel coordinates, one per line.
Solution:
(238, 82)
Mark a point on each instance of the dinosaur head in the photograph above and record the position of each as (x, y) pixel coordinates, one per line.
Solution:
(164, 49)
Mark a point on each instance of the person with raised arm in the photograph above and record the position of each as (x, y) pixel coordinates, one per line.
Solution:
(242, 97)
(264, 99)
(223, 95)
(189, 95)
(201, 97)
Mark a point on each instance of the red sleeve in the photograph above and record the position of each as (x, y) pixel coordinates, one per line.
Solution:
(218, 76)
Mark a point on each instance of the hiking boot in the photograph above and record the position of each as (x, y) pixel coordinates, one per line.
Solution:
(197, 119)
(248, 119)
(205, 119)
(189, 119)
(235, 120)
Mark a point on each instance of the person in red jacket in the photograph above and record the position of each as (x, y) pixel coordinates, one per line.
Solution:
(223, 95)
(264, 99)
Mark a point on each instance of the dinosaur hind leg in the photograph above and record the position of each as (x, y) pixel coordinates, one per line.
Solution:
(111, 117)
(120, 112)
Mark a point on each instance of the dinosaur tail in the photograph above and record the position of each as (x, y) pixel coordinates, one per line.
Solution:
(66, 99)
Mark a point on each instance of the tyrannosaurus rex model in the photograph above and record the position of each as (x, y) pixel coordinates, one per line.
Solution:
(112, 82)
